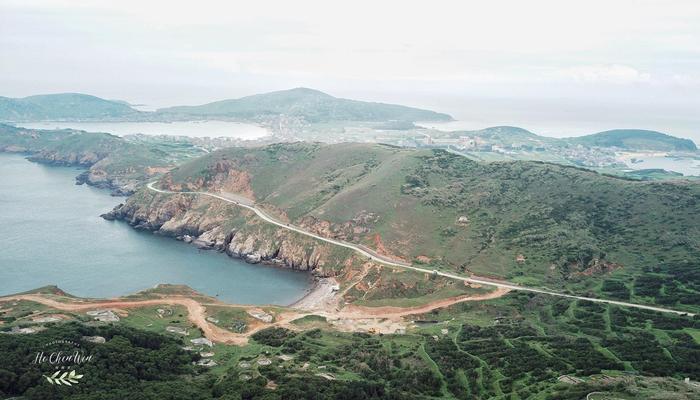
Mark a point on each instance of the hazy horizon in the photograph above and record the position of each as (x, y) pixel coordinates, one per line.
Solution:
(571, 69)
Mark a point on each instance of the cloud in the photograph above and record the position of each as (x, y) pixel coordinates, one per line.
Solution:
(613, 73)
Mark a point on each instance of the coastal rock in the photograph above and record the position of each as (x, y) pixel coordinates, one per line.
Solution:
(207, 362)
(203, 244)
(16, 330)
(177, 330)
(202, 342)
(44, 320)
(93, 176)
(205, 223)
(253, 258)
(103, 315)
(95, 339)
(261, 315)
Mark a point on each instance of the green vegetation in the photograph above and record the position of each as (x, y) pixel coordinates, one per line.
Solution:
(18, 314)
(516, 347)
(114, 162)
(308, 104)
(157, 318)
(521, 346)
(514, 138)
(505, 136)
(570, 225)
(635, 139)
(62, 106)
(131, 361)
(231, 318)
(384, 286)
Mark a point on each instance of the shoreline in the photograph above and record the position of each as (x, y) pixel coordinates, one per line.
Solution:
(301, 286)
(322, 293)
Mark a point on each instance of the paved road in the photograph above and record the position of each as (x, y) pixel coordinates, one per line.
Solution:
(247, 203)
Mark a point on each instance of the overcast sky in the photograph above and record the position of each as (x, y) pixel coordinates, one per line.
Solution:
(555, 67)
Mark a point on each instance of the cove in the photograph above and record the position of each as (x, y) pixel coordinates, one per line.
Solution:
(51, 234)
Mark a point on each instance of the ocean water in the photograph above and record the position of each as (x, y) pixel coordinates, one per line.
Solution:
(51, 233)
(181, 128)
(686, 166)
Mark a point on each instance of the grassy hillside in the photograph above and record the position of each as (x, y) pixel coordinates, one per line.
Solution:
(309, 104)
(635, 139)
(626, 139)
(507, 135)
(113, 162)
(572, 227)
(73, 106)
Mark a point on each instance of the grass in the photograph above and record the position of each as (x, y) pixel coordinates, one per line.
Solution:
(513, 347)
(231, 318)
(311, 321)
(148, 318)
(116, 157)
(572, 225)
(444, 293)
(20, 312)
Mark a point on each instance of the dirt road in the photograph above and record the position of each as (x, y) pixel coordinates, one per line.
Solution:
(197, 312)
(373, 255)
(390, 311)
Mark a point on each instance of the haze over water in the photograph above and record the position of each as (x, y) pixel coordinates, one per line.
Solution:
(228, 129)
(52, 234)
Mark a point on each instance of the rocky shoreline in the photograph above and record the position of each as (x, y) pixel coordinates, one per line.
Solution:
(90, 176)
(323, 288)
(93, 161)
(279, 251)
(322, 294)
(116, 188)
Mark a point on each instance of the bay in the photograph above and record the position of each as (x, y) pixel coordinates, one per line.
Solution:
(51, 234)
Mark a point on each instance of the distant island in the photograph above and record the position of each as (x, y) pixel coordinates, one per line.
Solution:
(513, 137)
(63, 106)
(304, 114)
(308, 105)
(635, 139)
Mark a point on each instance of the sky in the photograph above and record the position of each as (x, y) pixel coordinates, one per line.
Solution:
(560, 68)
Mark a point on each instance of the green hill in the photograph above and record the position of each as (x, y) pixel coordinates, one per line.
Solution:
(311, 105)
(506, 136)
(573, 227)
(626, 139)
(113, 162)
(71, 106)
(635, 139)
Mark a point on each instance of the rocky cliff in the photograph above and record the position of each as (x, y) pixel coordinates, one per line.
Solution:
(111, 162)
(212, 224)
(94, 175)
(218, 226)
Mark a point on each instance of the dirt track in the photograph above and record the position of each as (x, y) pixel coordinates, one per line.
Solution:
(383, 259)
(197, 312)
(389, 311)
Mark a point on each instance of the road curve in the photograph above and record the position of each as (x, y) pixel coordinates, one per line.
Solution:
(394, 263)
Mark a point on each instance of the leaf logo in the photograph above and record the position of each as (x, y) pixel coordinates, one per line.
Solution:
(67, 378)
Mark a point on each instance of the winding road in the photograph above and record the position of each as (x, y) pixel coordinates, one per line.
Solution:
(247, 203)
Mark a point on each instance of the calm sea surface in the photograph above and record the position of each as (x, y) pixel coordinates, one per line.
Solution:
(685, 166)
(51, 233)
